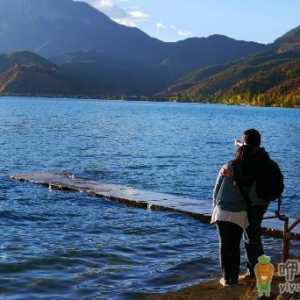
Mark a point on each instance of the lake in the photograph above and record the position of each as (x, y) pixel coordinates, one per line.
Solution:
(59, 245)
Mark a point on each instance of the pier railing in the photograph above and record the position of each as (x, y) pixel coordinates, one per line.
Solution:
(287, 232)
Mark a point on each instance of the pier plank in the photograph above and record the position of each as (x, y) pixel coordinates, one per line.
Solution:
(198, 209)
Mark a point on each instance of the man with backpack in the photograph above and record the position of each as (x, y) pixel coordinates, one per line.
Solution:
(269, 186)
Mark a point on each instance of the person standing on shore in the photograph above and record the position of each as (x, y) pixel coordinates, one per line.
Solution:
(230, 215)
(269, 186)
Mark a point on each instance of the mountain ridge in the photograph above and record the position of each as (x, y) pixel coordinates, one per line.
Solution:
(87, 53)
(269, 79)
(55, 27)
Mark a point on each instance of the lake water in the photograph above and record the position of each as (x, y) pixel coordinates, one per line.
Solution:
(57, 245)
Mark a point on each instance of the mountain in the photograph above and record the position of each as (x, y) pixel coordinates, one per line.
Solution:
(289, 42)
(194, 53)
(54, 28)
(269, 78)
(266, 79)
(107, 73)
(25, 73)
(102, 75)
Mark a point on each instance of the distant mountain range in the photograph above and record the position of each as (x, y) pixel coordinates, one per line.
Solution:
(87, 54)
(104, 57)
(270, 79)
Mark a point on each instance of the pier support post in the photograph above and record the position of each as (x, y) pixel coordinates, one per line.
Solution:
(286, 240)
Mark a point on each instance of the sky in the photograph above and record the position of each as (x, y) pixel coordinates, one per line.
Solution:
(173, 20)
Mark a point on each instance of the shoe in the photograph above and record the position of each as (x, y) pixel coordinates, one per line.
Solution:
(223, 282)
(226, 283)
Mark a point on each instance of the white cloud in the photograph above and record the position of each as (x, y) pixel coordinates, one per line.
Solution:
(180, 32)
(104, 4)
(138, 15)
(184, 33)
(134, 16)
(125, 21)
(128, 18)
(160, 26)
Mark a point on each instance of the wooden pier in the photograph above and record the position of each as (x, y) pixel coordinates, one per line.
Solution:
(198, 209)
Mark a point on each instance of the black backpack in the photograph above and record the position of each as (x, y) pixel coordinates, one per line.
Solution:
(270, 181)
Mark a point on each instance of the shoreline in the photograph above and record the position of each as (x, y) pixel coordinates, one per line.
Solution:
(212, 290)
(143, 99)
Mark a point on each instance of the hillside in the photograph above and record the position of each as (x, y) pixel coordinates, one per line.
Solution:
(194, 53)
(25, 73)
(106, 76)
(270, 79)
(289, 42)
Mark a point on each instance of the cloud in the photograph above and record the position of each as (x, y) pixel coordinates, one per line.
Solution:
(130, 18)
(139, 15)
(133, 17)
(160, 26)
(184, 33)
(104, 4)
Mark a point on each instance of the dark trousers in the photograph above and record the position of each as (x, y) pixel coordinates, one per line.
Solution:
(253, 242)
(230, 236)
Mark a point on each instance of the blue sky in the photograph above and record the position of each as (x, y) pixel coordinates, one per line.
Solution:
(172, 20)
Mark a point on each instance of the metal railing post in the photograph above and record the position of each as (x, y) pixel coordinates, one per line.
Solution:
(287, 230)
(286, 239)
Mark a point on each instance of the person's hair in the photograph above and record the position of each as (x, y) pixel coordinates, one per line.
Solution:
(252, 138)
(243, 154)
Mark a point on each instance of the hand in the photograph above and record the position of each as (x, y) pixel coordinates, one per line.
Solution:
(226, 172)
(238, 143)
